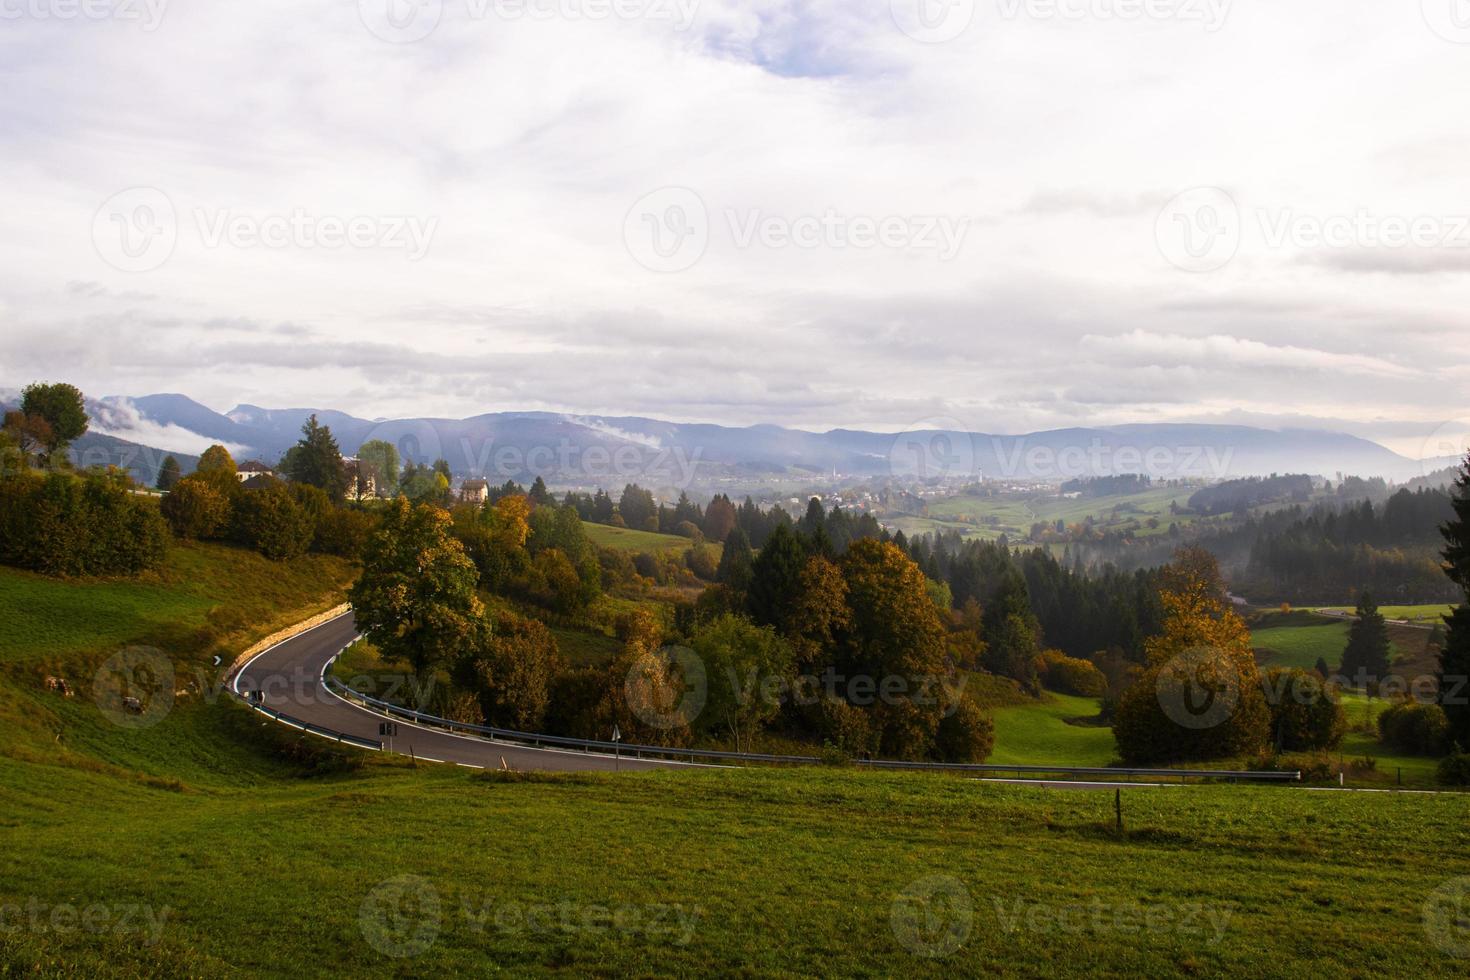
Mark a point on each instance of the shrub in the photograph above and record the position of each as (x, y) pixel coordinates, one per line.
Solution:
(65, 525)
(1412, 727)
(270, 521)
(511, 673)
(965, 735)
(1454, 770)
(1071, 675)
(343, 532)
(195, 509)
(1304, 713)
(701, 563)
(1216, 709)
(574, 701)
(845, 727)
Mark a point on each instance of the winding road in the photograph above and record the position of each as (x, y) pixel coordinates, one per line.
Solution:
(289, 679)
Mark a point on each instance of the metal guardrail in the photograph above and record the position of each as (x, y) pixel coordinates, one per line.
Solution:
(306, 726)
(637, 751)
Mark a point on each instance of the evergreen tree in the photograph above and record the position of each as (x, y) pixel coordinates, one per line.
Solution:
(1454, 656)
(775, 577)
(317, 461)
(539, 494)
(1365, 659)
(736, 562)
(169, 474)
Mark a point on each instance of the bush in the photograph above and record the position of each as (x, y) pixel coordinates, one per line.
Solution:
(965, 735)
(195, 509)
(65, 525)
(574, 702)
(1454, 770)
(343, 533)
(1304, 713)
(1196, 687)
(270, 521)
(845, 727)
(1071, 675)
(1421, 729)
(701, 563)
(511, 673)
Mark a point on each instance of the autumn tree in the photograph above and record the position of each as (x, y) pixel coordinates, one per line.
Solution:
(415, 599)
(510, 668)
(654, 693)
(819, 613)
(1200, 696)
(195, 509)
(271, 521)
(217, 459)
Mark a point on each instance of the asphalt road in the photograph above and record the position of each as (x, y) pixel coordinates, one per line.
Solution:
(289, 677)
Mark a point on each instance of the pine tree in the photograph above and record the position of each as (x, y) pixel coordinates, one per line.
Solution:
(1454, 655)
(1365, 659)
(169, 474)
(316, 461)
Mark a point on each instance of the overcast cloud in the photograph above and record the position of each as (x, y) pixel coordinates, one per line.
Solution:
(776, 212)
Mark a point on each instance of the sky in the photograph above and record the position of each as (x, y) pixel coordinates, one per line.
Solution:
(997, 215)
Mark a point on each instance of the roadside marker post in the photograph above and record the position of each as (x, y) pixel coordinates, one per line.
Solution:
(388, 729)
(617, 737)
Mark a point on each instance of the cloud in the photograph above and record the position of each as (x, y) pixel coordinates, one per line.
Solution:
(121, 418)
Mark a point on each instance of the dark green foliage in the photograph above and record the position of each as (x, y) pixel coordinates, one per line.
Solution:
(1305, 715)
(67, 525)
(737, 562)
(774, 578)
(169, 474)
(63, 409)
(1418, 728)
(638, 509)
(271, 521)
(197, 509)
(1365, 659)
(317, 461)
(1454, 657)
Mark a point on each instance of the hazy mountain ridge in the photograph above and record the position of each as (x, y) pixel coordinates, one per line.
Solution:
(563, 446)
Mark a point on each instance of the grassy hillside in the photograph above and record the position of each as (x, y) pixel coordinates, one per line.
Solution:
(215, 843)
(639, 542)
(1040, 734)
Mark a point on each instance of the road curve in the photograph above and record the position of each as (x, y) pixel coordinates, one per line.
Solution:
(289, 677)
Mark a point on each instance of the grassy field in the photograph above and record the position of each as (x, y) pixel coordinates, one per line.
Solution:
(1423, 615)
(1039, 734)
(1300, 646)
(640, 542)
(1014, 515)
(215, 843)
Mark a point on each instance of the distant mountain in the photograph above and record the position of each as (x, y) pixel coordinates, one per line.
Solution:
(609, 451)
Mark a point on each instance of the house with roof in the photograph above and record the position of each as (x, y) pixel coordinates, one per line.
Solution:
(474, 491)
(251, 469)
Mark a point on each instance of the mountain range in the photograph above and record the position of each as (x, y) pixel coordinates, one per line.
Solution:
(609, 451)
